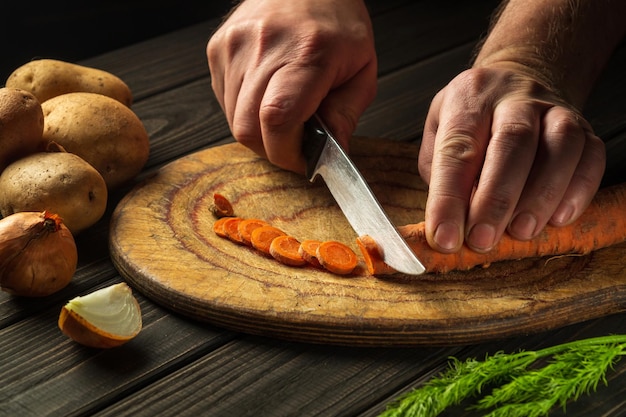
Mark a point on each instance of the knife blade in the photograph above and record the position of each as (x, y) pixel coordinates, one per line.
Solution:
(325, 157)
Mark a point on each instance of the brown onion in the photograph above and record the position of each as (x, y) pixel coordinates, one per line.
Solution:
(38, 254)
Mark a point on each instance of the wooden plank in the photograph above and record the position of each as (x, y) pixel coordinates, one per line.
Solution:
(259, 376)
(263, 377)
(425, 29)
(179, 57)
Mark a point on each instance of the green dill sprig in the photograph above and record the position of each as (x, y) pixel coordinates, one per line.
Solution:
(518, 389)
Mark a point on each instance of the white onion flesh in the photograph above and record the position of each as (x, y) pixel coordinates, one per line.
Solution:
(113, 309)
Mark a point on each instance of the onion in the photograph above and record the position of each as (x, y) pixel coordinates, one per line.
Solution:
(38, 254)
(105, 318)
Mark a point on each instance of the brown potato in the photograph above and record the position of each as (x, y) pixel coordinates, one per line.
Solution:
(100, 130)
(21, 125)
(59, 182)
(47, 78)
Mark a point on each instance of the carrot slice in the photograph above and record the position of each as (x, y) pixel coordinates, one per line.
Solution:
(218, 227)
(246, 227)
(261, 238)
(308, 250)
(336, 257)
(231, 229)
(221, 206)
(285, 250)
(373, 257)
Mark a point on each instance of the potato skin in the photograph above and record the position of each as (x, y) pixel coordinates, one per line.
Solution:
(47, 78)
(100, 130)
(21, 125)
(59, 182)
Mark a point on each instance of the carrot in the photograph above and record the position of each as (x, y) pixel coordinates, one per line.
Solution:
(231, 226)
(261, 238)
(602, 224)
(285, 250)
(221, 206)
(218, 227)
(246, 227)
(308, 250)
(336, 257)
(373, 257)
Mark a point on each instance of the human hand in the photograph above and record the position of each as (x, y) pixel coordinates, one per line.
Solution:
(274, 63)
(502, 152)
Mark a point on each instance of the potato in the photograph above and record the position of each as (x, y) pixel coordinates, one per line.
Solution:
(21, 125)
(100, 130)
(47, 78)
(60, 182)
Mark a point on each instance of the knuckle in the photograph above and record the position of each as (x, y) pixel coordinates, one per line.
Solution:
(497, 206)
(514, 130)
(275, 112)
(548, 195)
(458, 149)
(245, 135)
(565, 127)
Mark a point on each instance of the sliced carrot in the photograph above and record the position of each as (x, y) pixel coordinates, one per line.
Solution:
(373, 257)
(247, 226)
(336, 257)
(221, 206)
(261, 238)
(285, 250)
(218, 227)
(602, 224)
(308, 250)
(231, 229)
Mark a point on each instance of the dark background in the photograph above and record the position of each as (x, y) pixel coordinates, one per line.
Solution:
(75, 30)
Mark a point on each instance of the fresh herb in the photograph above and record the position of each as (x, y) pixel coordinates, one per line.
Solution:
(517, 388)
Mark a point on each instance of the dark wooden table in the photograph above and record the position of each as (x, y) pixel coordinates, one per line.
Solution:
(181, 367)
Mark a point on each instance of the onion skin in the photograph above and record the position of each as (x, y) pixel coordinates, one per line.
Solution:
(80, 330)
(38, 254)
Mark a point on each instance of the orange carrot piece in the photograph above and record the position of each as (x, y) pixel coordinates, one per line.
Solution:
(603, 224)
(231, 229)
(246, 227)
(261, 238)
(285, 250)
(373, 257)
(218, 227)
(221, 206)
(336, 257)
(308, 250)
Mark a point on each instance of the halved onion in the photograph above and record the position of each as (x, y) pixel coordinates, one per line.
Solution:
(105, 318)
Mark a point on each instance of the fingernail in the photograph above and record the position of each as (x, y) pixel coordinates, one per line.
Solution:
(523, 226)
(563, 214)
(481, 237)
(447, 236)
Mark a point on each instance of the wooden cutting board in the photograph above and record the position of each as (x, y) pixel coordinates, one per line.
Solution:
(162, 243)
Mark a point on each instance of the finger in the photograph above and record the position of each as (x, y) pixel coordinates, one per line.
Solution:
(457, 157)
(216, 68)
(293, 94)
(244, 108)
(585, 181)
(343, 106)
(508, 161)
(431, 125)
(559, 151)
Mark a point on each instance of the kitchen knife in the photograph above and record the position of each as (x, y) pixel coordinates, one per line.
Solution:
(327, 159)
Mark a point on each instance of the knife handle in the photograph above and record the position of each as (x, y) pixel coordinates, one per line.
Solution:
(313, 143)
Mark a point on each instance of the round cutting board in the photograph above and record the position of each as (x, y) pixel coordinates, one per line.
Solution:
(162, 243)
